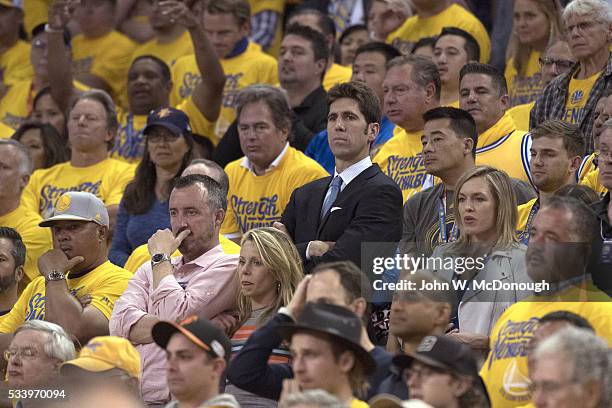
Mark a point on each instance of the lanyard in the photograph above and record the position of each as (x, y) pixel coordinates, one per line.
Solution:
(524, 238)
(454, 233)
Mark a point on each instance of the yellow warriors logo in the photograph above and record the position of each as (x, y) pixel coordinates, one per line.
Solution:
(63, 203)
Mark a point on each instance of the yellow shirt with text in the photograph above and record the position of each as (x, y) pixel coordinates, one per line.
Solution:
(524, 89)
(504, 147)
(37, 240)
(336, 74)
(520, 115)
(577, 97)
(415, 28)
(108, 57)
(401, 159)
(105, 284)
(169, 52)
(106, 180)
(505, 369)
(251, 67)
(140, 255)
(258, 201)
(15, 63)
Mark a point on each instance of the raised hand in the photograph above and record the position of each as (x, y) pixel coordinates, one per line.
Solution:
(61, 12)
(164, 241)
(178, 12)
(56, 260)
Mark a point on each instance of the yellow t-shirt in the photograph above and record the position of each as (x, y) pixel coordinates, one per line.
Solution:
(105, 284)
(106, 180)
(336, 74)
(415, 28)
(130, 141)
(577, 97)
(505, 370)
(16, 104)
(251, 67)
(357, 403)
(169, 52)
(15, 64)
(37, 240)
(504, 147)
(520, 115)
(524, 89)
(524, 210)
(401, 159)
(259, 201)
(108, 57)
(6, 131)
(140, 255)
(591, 179)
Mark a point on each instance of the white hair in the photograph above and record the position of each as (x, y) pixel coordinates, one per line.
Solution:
(588, 354)
(25, 162)
(58, 344)
(601, 10)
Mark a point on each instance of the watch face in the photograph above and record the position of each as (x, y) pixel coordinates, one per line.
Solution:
(157, 257)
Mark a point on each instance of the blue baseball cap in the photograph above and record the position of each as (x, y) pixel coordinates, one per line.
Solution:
(176, 121)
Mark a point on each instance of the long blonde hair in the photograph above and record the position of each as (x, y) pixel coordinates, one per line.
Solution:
(281, 259)
(506, 216)
(520, 52)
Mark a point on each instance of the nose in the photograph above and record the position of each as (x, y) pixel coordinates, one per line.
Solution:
(427, 147)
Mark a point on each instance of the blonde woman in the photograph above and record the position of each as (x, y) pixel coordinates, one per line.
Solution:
(537, 23)
(269, 270)
(485, 214)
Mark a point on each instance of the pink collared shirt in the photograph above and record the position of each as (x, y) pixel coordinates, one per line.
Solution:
(204, 286)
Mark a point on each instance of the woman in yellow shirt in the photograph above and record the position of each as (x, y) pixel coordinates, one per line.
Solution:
(536, 24)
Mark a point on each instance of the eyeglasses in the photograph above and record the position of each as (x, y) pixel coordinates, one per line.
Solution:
(560, 63)
(27, 353)
(157, 137)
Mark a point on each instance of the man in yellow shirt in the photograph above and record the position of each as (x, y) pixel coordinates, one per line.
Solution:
(484, 95)
(101, 55)
(16, 167)
(226, 23)
(76, 268)
(429, 19)
(261, 183)
(14, 52)
(558, 253)
(92, 126)
(411, 88)
(149, 85)
(556, 152)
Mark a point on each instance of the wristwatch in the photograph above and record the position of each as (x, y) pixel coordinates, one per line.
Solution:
(55, 276)
(159, 258)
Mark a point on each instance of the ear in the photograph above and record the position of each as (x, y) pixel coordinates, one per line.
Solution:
(443, 314)
(468, 146)
(321, 66)
(591, 393)
(346, 361)
(461, 385)
(505, 101)
(245, 29)
(430, 93)
(575, 163)
(102, 233)
(373, 129)
(219, 366)
(359, 306)
(219, 215)
(19, 274)
(23, 182)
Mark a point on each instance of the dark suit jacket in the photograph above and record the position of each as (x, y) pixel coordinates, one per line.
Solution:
(370, 210)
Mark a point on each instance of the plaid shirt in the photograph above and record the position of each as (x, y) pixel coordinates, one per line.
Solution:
(551, 103)
(264, 28)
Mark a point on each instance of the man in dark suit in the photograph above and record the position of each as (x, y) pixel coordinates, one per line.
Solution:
(328, 219)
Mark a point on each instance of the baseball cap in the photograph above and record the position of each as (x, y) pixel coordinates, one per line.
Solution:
(175, 120)
(18, 4)
(78, 206)
(104, 353)
(199, 330)
(444, 353)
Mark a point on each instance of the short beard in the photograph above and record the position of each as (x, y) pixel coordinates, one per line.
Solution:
(7, 283)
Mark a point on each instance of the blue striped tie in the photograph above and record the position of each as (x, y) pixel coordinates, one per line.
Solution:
(332, 194)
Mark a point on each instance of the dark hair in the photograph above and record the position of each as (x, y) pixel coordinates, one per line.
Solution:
(104, 99)
(325, 23)
(350, 30)
(240, 9)
(573, 139)
(569, 317)
(274, 97)
(424, 42)
(163, 67)
(580, 192)
(139, 194)
(217, 199)
(53, 145)
(424, 71)
(461, 122)
(366, 99)
(315, 38)
(353, 281)
(497, 78)
(471, 46)
(19, 250)
(223, 178)
(584, 220)
(386, 50)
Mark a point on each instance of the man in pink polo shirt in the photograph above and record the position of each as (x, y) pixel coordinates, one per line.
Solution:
(199, 282)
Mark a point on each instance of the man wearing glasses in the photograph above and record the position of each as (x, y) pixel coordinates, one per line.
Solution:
(572, 97)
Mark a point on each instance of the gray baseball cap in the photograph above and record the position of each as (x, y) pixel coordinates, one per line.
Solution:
(78, 206)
